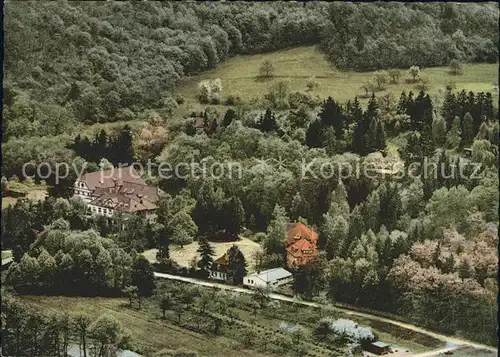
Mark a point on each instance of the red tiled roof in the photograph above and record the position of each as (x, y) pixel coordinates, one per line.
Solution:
(297, 231)
(121, 189)
(301, 241)
(107, 178)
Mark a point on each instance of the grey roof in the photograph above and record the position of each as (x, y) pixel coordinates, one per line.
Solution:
(380, 344)
(272, 274)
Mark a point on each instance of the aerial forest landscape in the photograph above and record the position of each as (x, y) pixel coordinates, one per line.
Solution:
(258, 179)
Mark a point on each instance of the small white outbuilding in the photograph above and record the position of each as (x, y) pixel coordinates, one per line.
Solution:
(268, 278)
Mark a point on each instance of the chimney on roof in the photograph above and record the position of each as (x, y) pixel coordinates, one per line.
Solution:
(115, 181)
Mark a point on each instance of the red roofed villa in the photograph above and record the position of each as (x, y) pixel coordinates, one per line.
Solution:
(301, 245)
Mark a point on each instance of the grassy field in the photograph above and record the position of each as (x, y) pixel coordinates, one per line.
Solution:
(297, 65)
(150, 332)
(17, 190)
(90, 130)
(6, 254)
(183, 256)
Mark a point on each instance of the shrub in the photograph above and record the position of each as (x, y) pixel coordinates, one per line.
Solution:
(267, 69)
(179, 99)
(414, 72)
(259, 237)
(215, 98)
(208, 90)
(394, 74)
(232, 100)
(368, 87)
(456, 67)
(311, 84)
(380, 78)
(296, 99)
(423, 83)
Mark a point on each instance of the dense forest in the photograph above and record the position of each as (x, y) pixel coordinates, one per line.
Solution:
(78, 62)
(420, 245)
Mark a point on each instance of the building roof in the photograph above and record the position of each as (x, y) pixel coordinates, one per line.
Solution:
(221, 264)
(124, 203)
(121, 189)
(130, 189)
(271, 275)
(297, 231)
(107, 178)
(301, 241)
(380, 344)
(302, 248)
(223, 260)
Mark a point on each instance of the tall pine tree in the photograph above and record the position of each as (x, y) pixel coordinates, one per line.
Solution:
(206, 252)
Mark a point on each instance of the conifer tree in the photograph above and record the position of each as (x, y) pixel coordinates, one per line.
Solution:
(237, 265)
(338, 201)
(467, 129)
(379, 143)
(403, 104)
(331, 115)
(314, 134)
(483, 132)
(439, 131)
(206, 253)
(453, 136)
(449, 108)
(228, 117)
(355, 112)
(372, 109)
(267, 122)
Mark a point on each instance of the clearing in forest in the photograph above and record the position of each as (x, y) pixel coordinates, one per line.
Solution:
(239, 76)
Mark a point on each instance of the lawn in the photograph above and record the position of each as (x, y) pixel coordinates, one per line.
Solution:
(90, 130)
(24, 189)
(297, 65)
(183, 256)
(6, 254)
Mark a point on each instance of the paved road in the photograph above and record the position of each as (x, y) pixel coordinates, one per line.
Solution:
(435, 352)
(449, 340)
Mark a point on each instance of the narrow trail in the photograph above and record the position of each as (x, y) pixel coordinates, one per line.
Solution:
(450, 340)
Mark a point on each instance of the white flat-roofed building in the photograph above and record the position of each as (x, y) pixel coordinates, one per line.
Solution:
(268, 278)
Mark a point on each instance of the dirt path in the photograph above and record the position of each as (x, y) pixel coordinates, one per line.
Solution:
(450, 340)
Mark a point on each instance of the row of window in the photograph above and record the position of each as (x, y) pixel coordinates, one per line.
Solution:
(83, 193)
(217, 274)
(101, 210)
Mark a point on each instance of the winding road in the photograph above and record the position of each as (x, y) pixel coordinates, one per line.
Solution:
(451, 342)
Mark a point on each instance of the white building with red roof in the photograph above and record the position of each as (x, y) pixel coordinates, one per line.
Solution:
(118, 190)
